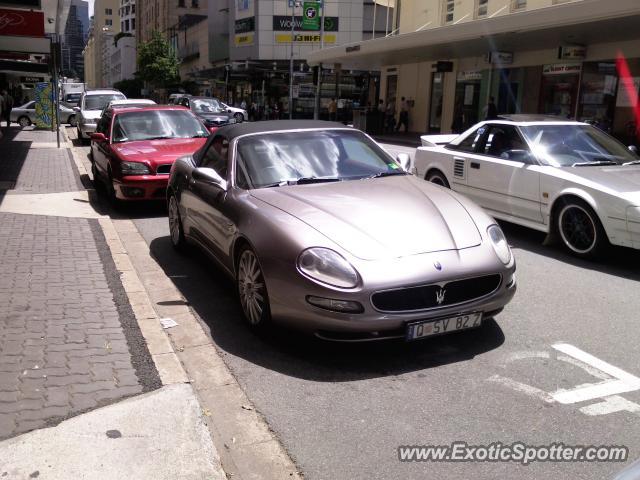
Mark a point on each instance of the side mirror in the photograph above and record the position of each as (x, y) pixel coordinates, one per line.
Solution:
(98, 137)
(76, 109)
(210, 177)
(633, 149)
(213, 129)
(404, 159)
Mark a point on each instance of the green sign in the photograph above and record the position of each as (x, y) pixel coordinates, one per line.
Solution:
(311, 16)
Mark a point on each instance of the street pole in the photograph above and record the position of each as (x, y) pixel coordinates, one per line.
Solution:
(316, 110)
(293, 34)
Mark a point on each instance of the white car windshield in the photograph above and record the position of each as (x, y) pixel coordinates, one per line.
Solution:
(98, 102)
(208, 105)
(279, 159)
(575, 145)
(156, 124)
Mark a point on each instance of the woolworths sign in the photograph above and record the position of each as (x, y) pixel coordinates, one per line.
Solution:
(282, 23)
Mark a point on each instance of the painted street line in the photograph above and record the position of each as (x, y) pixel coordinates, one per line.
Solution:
(624, 382)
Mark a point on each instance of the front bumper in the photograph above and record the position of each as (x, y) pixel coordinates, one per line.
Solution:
(87, 128)
(289, 305)
(141, 187)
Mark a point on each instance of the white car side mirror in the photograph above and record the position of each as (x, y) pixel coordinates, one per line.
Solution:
(404, 159)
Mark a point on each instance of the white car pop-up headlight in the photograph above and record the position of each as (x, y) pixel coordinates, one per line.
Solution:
(327, 266)
(500, 244)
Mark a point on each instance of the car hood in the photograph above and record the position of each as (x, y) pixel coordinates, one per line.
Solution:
(379, 218)
(615, 179)
(91, 114)
(157, 152)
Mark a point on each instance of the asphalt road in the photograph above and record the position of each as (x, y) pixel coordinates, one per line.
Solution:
(342, 410)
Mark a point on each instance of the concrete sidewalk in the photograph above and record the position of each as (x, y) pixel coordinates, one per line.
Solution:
(70, 341)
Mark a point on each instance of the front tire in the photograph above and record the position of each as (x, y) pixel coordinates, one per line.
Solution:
(176, 231)
(115, 202)
(580, 229)
(252, 290)
(24, 121)
(72, 120)
(437, 177)
(239, 117)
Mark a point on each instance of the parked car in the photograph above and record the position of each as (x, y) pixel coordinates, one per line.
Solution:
(174, 98)
(322, 230)
(25, 115)
(134, 148)
(90, 109)
(128, 102)
(563, 178)
(209, 110)
(240, 114)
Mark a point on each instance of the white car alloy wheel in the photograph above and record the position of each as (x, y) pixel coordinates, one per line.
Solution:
(175, 224)
(579, 229)
(24, 121)
(239, 117)
(252, 289)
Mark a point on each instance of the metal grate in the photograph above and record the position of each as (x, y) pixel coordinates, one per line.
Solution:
(458, 168)
(436, 296)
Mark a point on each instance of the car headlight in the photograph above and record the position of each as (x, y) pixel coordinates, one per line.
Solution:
(134, 168)
(500, 245)
(327, 266)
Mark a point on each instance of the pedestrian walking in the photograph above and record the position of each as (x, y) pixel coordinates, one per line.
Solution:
(404, 116)
(333, 110)
(7, 106)
(491, 111)
(390, 115)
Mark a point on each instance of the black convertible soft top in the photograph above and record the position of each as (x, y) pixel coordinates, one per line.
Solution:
(245, 128)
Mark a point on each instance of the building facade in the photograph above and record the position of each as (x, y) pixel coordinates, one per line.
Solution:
(575, 59)
(97, 53)
(73, 40)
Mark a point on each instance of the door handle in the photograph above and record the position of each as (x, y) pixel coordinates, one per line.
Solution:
(475, 165)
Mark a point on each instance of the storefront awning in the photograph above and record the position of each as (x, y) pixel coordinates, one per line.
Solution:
(581, 22)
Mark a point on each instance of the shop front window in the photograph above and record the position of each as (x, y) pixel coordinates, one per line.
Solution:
(598, 94)
(559, 90)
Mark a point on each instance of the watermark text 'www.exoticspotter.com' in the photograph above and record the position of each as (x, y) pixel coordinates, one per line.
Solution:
(517, 452)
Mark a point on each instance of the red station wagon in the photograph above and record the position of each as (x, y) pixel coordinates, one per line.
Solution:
(134, 147)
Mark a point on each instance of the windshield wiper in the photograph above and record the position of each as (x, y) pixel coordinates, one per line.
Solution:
(594, 163)
(385, 174)
(162, 137)
(632, 162)
(303, 181)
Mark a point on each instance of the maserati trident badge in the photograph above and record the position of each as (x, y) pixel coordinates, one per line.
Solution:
(440, 296)
(438, 265)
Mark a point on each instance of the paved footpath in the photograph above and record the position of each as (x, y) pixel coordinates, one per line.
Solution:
(70, 343)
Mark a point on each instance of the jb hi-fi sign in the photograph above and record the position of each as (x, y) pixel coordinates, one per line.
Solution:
(21, 23)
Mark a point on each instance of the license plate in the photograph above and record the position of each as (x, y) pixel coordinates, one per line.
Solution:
(428, 328)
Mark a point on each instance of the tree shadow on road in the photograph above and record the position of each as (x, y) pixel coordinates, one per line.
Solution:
(212, 296)
(619, 261)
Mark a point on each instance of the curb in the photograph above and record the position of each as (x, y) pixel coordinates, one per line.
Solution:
(246, 445)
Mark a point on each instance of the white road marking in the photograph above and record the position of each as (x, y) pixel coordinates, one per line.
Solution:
(522, 387)
(622, 381)
(611, 404)
(587, 368)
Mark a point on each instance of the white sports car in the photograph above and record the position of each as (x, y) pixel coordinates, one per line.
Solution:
(564, 178)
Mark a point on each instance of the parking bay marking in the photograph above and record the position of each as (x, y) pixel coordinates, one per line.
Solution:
(616, 381)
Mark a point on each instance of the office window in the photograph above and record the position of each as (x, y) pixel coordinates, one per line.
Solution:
(108, 11)
(133, 24)
(122, 26)
(518, 4)
(482, 8)
(133, 9)
(194, 3)
(448, 10)
(108, 22)
(181, 3)
(126, 25)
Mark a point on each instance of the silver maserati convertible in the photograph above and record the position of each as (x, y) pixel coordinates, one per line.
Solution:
(322, 230)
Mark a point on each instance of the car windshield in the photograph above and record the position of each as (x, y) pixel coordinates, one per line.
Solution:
(206, 105)
(72, 97)
(575, 145)
(156, 124)
(278, 159)
(98, 102)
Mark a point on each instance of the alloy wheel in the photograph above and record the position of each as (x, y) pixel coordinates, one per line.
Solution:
(24, 121)
(578, 229)
(239, 117)
(252, 289)
(175, 224)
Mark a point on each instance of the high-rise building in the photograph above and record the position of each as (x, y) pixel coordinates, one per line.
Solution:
(73, 40)
(105, 25)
